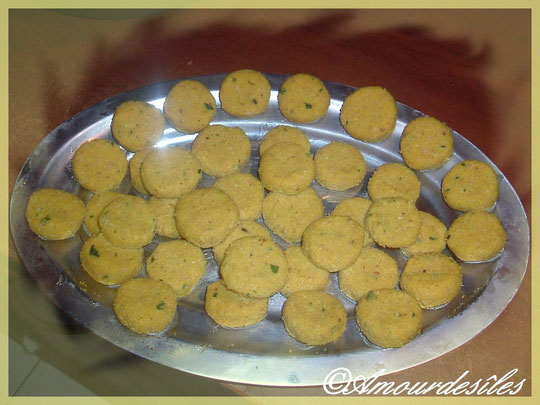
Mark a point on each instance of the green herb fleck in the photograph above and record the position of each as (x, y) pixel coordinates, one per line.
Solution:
(432, 238)
(233, 79)
(308, 106)
(283, 90)
(45, 220)
(250, 82)
(94, 251)
(214, 295)
(161, 305)
(464, 164)
(199, 171)
(209, 107)
(371, 296)
(274, 268)
(254, 101)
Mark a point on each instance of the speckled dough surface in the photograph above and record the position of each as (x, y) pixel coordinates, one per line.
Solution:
(242, 229)
(339, 166)
(221, 150)
(476, 236)
(433, 279)
(189, 106)
(333, 242)
(206, 216)
(54, 214)
(245, 93)
(426, 143)
(430, 239)
(179, 263)
(254, 267)
(109, 264)
(135, 164)
(99, 165)
(471, 186)
(246, 191)
(233, 310)
(170, 172)
(374, 269)
(163, 209)
(303, 98)
(145, 305)
(369, 114)
(394, 180)
(289, 215)
(128, 222)
(356, 208)
(314, 317)
(137, 125)
(393, 222)
(95, 206)
(285, 133)
(388, 317)
(303, 275)
(286, 168)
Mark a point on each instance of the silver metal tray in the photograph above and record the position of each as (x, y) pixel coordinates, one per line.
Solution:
(262, 354)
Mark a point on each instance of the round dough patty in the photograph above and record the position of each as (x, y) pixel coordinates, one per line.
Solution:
(303, 275)
(303, 98)
(221, 150)
(99, 165)
(369, 114)
(109, 264)
(373, 270)
(128, 222)
(245, 93)
(206, 216)
(471, 186)
(137, 125)
(233, 310)
(430, 239)
(393, 222)
(170, 172)
(135, 164)
(163, 209)
(356, 208)
(189, 106)
(179, 263)
(285, 133)
(433, 279)
(286, 168)
(314, 317)
(289, 215)
(246, 191)
(145, 305)
(388, 317)
(339, 166)
(54, 214)
(95, 206)
(476, 236)
(394, 180)
(243, 229)
(254, 267)
(426, 143)
(333, 242)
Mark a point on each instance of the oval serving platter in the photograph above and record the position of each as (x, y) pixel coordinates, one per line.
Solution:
(263, 354)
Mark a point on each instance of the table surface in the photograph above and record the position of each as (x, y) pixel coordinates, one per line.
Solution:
(469, 68)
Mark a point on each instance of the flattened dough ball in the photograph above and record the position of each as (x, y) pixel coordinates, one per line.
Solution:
(245, 93)
(356, 208)
(170, 172)
(285, 133)
(179, 263)
(374, 269)
(99, 165)
(254, 267)
(394, 180)
(54, 214)
(137, 125)
(471, 186)
(286, 168)
(233, 310)
(303, 275)
(303, 98)
(128, 222)
(221, 150)
(388, 317)
(246, 191)
(289, 215)
(426, 144)
(205, 216)
(109, 264)
(476, 236)
(333, 242)
(393, 222)
(189, 106)
(369, 114)
(145, 305)
(430, 239)
(339, 166)
(433, 279)
(314, 317)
